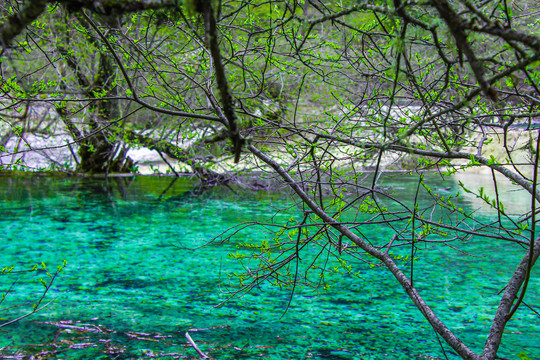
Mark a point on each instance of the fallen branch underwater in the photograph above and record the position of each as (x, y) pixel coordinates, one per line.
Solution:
(203, 355)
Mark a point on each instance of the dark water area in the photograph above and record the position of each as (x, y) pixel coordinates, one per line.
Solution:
(142, 270)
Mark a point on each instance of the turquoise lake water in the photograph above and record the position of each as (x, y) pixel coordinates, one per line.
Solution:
(131, 275)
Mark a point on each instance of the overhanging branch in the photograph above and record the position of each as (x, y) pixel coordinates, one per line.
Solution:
(405, 282)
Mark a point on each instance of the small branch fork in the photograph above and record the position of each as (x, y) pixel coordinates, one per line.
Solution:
(37, 306)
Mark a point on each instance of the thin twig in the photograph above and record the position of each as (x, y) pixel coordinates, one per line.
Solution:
(192, 343)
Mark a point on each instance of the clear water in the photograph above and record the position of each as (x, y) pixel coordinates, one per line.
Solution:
(130, 272)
